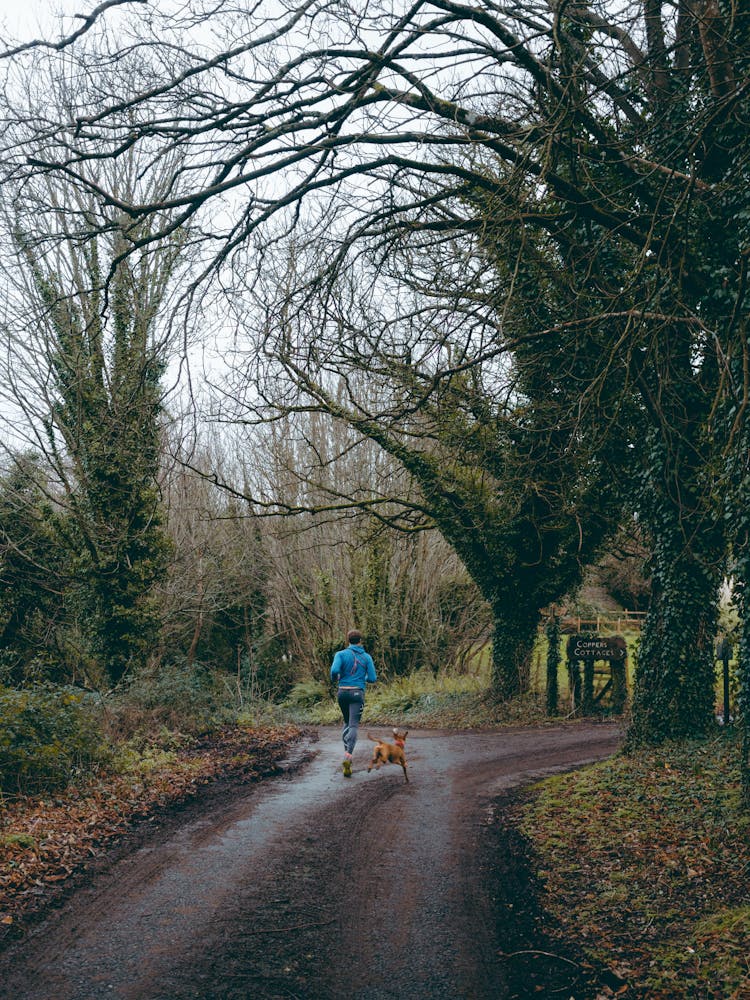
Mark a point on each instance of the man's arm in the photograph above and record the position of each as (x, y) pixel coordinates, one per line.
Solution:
(336, 666)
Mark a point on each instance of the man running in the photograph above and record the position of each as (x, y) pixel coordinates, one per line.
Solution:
(354, 670)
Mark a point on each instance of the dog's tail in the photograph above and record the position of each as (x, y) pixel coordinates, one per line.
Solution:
(373, 738)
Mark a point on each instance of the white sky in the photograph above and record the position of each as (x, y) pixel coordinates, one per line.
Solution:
(26, 15)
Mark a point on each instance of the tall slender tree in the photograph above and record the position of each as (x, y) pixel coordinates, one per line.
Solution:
(103, 430)
(86, 344)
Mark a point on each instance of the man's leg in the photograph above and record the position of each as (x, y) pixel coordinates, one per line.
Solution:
(356, 707)
(343, 701)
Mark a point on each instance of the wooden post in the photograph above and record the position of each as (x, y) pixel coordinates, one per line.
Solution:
(619, 685)
(587, 704)
(553, 659)
(574, 685)
(724, 653)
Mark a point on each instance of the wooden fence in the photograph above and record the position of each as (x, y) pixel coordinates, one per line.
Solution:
(622, 621)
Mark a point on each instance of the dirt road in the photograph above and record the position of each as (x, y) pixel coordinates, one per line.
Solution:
(311, 885)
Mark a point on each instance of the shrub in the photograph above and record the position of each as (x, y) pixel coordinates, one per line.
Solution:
(395, 700)
(173, 695)
(47, 736)
(267, 675)
(307, 693)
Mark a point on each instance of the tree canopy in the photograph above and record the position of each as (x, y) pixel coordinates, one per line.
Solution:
(595, 157)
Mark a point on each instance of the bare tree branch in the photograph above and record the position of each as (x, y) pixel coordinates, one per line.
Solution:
(89, 20)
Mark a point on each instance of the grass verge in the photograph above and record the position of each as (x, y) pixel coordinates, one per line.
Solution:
(419, 700)
(645, 860)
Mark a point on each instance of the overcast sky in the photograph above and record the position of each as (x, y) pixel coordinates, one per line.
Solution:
(26, 19)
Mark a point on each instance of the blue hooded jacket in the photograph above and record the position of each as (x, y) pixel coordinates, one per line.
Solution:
(353, 667)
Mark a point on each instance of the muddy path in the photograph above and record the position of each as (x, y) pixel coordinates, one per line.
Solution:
(311, 885)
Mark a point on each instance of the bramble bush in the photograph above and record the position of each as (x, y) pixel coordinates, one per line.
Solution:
(179, 696)
(48, 735)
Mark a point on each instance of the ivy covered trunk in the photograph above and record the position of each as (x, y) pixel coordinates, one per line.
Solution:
(514, 635)
(674, 687)
(116, 593)
(742, 599)
(105, 436)
(552, 632)
(738, 515)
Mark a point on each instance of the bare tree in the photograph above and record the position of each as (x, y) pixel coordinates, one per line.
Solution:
(214, 600)
(610, 138)
(457, 429)
(337, 564)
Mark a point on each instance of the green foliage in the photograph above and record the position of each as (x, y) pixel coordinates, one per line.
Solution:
(47, 736)
(177, 696)
(500, 485)
(103, 433)
(741, 568)
(33, 576)
(629, 365)
(461, 701)
(567, 500)
(306, 694)
(267, 672)
(674, 692)
(736, 620)
(309, 701)
(397, 699)
(141, 756)
(22, 840)
(235, 566)
(623, 569)
(406, 628)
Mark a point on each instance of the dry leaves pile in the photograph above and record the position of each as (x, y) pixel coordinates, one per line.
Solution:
(44, 841)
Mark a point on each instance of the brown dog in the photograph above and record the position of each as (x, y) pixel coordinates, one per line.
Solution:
(389, 753)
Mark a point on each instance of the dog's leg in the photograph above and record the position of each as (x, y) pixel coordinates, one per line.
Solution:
(376, 759)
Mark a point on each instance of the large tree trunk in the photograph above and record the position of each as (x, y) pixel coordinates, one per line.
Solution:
(674, 688)
(744, 677)
(514, 635)
(742, 601)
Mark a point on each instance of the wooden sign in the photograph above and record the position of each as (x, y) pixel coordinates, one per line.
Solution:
(594, 647)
